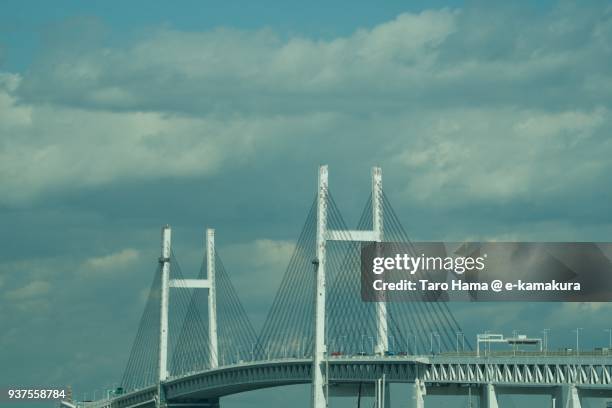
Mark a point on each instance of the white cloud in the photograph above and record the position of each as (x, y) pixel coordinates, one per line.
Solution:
(258, 266)
(228, 69)
(30, 291)
(430, 58)
(501, 154)
(110, 263)
(12, 115)
(263, 255)
(462, 103)
(45, 148)
(580, 308)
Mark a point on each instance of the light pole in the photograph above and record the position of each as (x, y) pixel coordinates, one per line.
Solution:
(545, 340)
(609, 339)
(457, 341)
(393, 342)
(578, 340)
(431, 336)
(414, 350)
(431, 343)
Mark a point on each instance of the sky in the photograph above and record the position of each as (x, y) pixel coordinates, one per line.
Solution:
(491, 122)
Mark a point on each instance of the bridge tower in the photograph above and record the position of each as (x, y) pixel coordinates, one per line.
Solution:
(167, 283)
(319, 378)
(164, 260)
(212, 298)
(382, 344)
(319, 396)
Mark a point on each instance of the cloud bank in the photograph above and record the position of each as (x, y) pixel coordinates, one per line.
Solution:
(460, 100)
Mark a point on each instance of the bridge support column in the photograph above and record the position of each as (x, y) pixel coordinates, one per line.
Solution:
(488, 398)
(319, 374)
(164, 260)
(568, 397)
(382, 342)
(419, 394)
(382, 393)
(212, 298)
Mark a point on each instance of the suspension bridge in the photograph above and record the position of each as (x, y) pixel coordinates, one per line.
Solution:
(195, 343)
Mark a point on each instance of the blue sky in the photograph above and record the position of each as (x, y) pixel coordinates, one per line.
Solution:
(490, 122)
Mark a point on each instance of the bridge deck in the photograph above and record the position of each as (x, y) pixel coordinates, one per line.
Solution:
(532, 370)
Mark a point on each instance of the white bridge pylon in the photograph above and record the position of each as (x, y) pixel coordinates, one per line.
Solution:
(319, 372)
(167, 283)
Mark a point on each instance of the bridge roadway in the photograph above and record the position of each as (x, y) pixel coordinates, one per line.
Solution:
(560, 376)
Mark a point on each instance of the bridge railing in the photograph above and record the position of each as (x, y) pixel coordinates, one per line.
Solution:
(524, 353)
(483, 355)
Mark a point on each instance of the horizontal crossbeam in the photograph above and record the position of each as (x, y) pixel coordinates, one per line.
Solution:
(190, 283)
(352, 235)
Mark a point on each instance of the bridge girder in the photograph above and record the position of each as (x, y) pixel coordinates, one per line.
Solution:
(591, 376)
